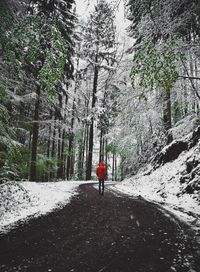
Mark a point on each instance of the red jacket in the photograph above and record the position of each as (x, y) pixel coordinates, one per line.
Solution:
(101, 171)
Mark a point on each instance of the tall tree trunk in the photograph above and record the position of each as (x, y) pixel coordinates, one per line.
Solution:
(29, 149)
(90, 151)
(84, 149)
(61, 169)
(70, 147)
(80, 157)
(185, 100)
(167, 114)
(70, 164)
(113, 167)
(122, 168)
(91, 135)
(49, 136)
(52, 174)
(33, 170)
(59, 136)
(86, 146)
(101, 147)
(47, 176)
(53, 140)
(61, 165)
(70, 159)
(59, 152)
(65, 166)
(191, 68)
(197, 85)
(106, 152)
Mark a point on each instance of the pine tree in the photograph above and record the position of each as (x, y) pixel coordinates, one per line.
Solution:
(38, 54)
(99, 50)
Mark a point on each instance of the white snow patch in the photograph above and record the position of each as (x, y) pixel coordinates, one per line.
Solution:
(20, 200)
(184, 127)
(163, 186)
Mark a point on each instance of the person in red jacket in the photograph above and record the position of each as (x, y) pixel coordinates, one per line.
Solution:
(101, 174)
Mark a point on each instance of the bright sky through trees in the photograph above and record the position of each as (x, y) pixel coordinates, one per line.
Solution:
(85, 6)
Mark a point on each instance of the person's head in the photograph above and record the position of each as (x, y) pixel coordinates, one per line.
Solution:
(101, 163)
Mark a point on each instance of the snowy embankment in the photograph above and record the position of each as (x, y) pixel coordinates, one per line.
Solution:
(175, 185)
(163, 186)
(20, 200)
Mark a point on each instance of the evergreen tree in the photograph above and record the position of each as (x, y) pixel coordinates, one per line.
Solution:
(38, 55)
(99, 50)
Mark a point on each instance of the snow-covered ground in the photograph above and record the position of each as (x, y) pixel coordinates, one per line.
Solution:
(163, 186)
(173, 185)
(21, 200)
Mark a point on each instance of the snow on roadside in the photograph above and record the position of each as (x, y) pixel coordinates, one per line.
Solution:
(184, 127)
(163, 186)
(19, 200)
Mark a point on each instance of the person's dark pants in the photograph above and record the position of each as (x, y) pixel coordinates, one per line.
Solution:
(101, 185)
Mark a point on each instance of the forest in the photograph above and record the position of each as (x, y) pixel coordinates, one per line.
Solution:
(73, 93)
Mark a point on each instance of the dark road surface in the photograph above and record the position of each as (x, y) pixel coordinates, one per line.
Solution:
(101, 233)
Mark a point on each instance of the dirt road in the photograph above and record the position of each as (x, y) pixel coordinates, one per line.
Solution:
(101, 233)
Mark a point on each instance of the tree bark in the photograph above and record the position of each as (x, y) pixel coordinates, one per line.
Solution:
(49, 136)
(70, 164)
(106, 152)
(91, 134)
(70, 147)
(81, 148)
(61, 165)
(33, 170)
(59, 152)
(61, 170)
(101, 147)
(90, 151)
(47, 176)
(84, 147)
(167, 115)
(52, 174)
(113, 167)
(60, 98)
